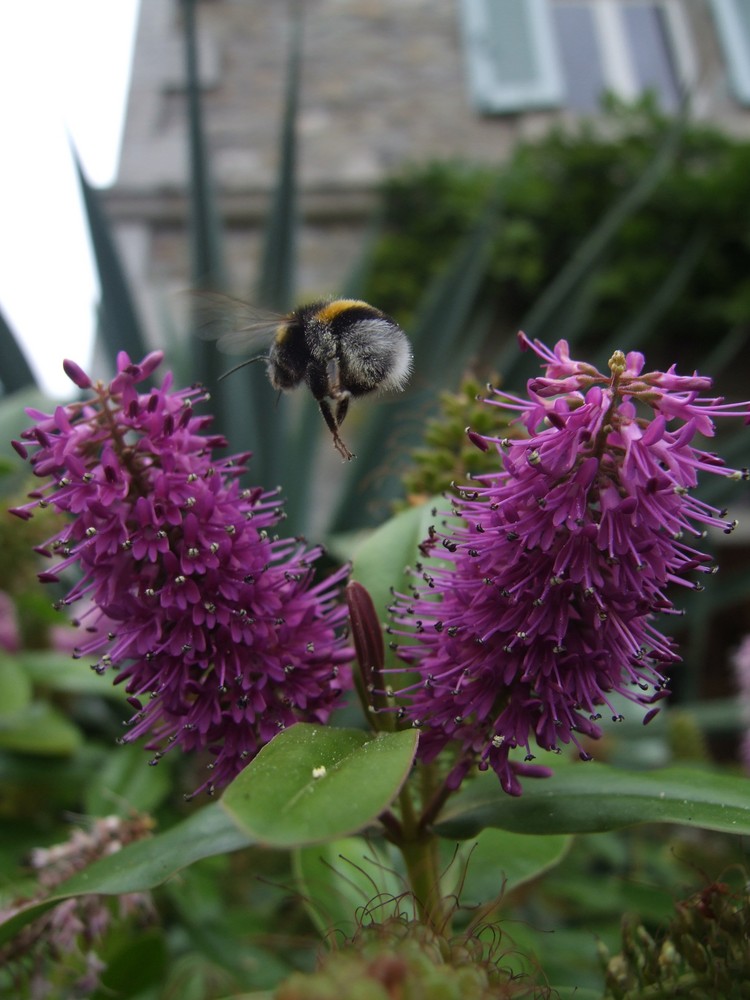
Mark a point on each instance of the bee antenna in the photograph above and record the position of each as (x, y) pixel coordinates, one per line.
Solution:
(243, 364)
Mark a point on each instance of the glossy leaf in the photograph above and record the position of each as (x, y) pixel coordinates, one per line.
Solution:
(311, 783)
(592, 797)
(148, 863)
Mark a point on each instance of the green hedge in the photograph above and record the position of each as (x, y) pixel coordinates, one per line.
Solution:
(679, 265)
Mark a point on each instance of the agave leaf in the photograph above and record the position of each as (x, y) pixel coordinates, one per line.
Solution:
(119, 325)
(206, 260)
(276, 282)
(15, 372)
(235, 400)
(634, 334)
(294, 431)
(724, 353)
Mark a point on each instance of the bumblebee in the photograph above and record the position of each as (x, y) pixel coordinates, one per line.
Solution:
(341, 349)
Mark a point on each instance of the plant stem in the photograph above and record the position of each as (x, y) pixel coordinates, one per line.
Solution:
(420, 850)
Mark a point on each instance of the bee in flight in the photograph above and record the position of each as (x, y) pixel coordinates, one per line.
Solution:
(341, 349)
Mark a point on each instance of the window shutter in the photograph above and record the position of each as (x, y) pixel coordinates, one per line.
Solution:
(511, 55)
(733, 22)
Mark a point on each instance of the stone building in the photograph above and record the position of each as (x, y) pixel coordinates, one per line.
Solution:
(386, 83)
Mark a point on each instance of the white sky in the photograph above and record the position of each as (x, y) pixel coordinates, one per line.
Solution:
(64, 70)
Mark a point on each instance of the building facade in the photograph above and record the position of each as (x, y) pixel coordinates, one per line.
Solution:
(386, 83)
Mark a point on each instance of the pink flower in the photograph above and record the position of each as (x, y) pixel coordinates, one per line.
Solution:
(216, 626)
(545, 601)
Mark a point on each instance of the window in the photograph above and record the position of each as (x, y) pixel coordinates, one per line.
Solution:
(512, 57)
(570, 52)
(733, 24)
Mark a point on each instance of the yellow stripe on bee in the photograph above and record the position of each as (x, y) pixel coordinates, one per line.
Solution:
(333, 309)
(282, 332)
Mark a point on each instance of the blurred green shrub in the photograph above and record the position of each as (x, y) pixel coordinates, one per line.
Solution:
(553, 192)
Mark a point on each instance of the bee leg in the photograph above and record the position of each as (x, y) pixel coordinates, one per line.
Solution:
(342, 407)
(333, 426)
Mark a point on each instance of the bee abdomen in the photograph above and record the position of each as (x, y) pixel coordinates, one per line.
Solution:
(374, 353)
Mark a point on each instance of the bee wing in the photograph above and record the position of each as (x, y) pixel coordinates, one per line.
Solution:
(235, 325)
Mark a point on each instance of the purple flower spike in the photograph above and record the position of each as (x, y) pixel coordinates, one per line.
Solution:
(215, 626)
(542, 603)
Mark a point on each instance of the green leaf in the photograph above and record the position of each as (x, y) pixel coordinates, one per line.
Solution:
(576, 993)
(39, 729)
(311, 783)
(15, 689)
(60, 672)
(125, 783)
(499, 861)
(592, 797)
(139, 963)
(380, 560)
(146, 863)
(342, 878)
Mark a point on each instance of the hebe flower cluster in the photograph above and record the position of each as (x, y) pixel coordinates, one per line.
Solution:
(216, 627)
(545, 601)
